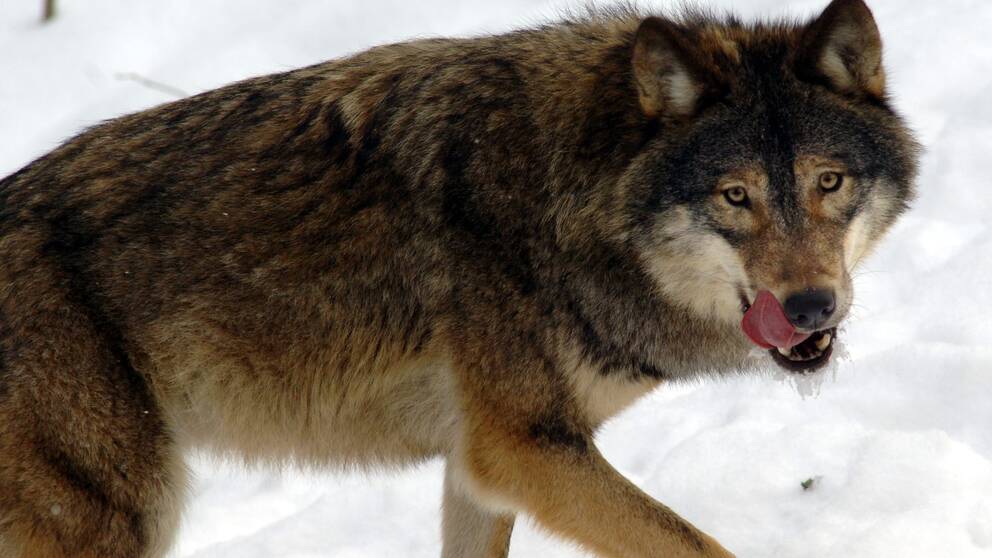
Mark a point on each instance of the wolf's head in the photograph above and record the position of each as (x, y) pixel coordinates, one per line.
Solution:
(779, 166)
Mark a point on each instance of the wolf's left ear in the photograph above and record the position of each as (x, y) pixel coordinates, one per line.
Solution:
(843, 47)
(670, 75)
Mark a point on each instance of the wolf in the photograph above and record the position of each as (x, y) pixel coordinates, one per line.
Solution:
(475, 249)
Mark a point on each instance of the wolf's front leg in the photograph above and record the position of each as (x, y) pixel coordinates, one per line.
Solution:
(524, 446)
(470, 530)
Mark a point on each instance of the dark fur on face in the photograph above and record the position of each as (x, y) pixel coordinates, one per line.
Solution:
(772, 107)
(475, 248)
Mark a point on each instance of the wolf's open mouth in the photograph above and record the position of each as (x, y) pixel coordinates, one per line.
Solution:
(809, 355)
(766, 325)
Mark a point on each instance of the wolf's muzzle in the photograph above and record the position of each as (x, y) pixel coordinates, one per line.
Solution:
(810, 308)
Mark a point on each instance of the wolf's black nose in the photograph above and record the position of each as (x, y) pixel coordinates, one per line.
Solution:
(810, 308)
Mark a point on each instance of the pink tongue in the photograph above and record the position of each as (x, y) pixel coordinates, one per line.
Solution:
(765, 324)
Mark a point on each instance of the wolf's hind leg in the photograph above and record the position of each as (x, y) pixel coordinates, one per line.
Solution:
(87, 465)
(468, 530)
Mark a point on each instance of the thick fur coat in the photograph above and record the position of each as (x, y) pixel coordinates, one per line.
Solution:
(478, 249)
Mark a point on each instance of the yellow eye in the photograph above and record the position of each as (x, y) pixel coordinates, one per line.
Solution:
(736, 195)
(830, 181)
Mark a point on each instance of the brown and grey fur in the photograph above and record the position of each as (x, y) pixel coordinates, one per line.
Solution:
(479, 249)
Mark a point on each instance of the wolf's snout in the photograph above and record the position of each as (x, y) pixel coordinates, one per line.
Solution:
(810, 308)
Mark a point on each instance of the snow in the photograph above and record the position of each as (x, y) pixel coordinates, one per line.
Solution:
(898, 436)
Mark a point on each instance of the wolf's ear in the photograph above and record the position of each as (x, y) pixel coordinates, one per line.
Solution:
(668, 73)
(843, 47)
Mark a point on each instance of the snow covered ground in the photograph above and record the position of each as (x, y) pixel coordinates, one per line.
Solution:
(899, 440)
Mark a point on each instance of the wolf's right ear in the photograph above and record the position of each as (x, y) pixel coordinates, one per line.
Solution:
(843, 48)
(669, 76)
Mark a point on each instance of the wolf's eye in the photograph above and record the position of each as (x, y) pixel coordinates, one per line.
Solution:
(830, 181)
(736, 195)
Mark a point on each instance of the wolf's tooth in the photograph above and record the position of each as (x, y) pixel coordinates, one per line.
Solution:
(784, 352)
(823, 342)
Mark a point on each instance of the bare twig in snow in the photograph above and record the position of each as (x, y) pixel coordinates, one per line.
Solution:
(49, 11)
(152, 84)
